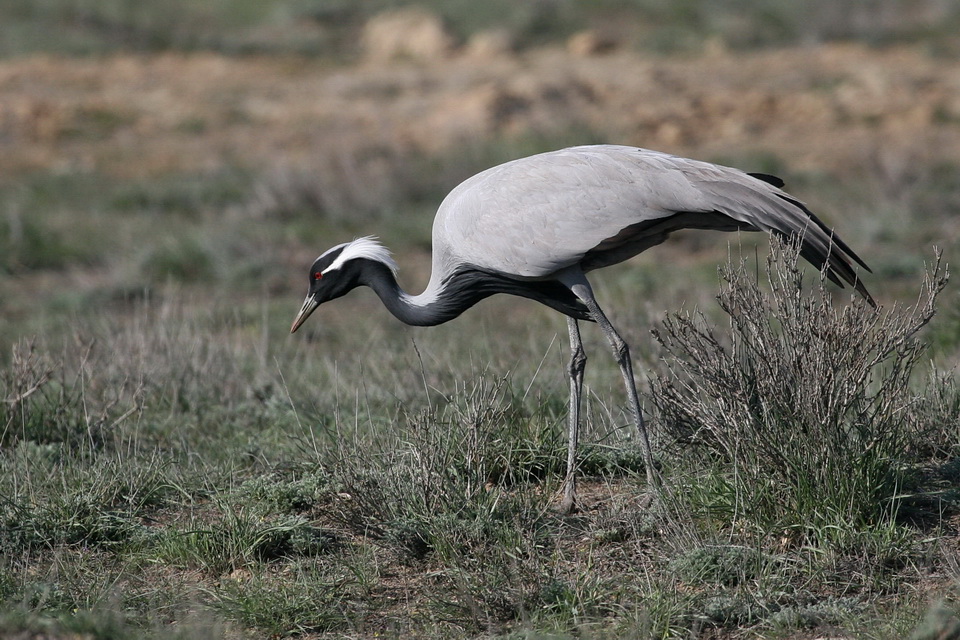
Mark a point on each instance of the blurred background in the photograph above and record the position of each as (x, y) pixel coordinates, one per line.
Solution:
(220, 145)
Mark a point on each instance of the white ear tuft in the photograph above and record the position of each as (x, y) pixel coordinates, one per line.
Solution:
(366, 247)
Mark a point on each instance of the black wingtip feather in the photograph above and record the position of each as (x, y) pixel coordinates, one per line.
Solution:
(769, 179)
(827, 230)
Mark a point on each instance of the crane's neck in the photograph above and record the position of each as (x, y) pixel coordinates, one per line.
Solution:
(449, 295)
(436, 305)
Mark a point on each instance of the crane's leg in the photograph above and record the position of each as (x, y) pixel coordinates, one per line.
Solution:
(578, 361)
(622, 353)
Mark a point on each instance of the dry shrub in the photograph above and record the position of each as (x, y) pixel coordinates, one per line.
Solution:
(806, 404)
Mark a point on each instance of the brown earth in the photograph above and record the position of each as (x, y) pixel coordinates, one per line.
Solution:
(826, 108)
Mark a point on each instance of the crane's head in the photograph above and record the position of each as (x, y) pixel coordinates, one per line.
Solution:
(339, 270)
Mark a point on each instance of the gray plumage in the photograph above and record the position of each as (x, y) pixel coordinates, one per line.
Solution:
(535, 226)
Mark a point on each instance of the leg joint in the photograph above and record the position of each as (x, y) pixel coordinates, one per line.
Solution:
(621, 351)
(578, 361)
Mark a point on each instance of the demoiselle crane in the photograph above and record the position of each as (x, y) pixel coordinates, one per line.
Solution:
(535, 226)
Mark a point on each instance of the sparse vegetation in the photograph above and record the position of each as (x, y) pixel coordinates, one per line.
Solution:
(298, 510)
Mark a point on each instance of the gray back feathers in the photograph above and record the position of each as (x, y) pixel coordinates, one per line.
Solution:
(589, 207)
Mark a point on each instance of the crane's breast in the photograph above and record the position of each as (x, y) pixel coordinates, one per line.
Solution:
(535, 216)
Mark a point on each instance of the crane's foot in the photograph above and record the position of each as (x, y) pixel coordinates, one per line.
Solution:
(567, 507)
(568, 503)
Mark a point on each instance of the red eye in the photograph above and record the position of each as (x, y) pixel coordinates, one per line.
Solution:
(317, 275)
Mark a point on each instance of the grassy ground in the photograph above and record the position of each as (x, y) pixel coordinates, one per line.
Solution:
(180, 467)
(173, 464)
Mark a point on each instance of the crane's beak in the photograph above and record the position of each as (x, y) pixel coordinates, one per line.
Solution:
(308, 306)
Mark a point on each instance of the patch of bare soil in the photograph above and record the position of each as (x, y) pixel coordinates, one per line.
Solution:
(825, 108)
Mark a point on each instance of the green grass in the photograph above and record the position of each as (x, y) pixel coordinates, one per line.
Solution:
(183, 460)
